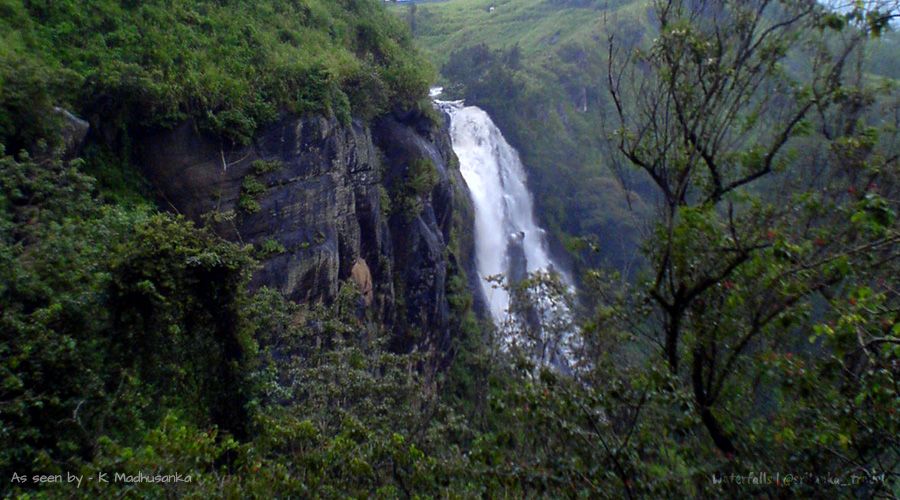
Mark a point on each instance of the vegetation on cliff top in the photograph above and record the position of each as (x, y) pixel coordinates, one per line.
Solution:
(230, 65)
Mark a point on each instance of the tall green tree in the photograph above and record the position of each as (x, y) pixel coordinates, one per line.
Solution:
(775, 162)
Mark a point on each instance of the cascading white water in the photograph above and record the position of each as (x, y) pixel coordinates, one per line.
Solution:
(504, 213)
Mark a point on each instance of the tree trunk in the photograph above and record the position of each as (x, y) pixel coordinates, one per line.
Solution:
(716, 432)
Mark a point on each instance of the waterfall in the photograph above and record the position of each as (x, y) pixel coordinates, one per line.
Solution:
(506, 233)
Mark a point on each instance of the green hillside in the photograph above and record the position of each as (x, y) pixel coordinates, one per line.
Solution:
(230, 65)
(535, 25)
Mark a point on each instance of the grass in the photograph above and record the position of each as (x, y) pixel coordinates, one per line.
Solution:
(536, 26)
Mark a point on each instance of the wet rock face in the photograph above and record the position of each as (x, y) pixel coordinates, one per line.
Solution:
(318, 188)
(308, 192)
(419, 242)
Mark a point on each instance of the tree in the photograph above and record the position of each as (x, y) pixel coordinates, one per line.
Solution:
(756, 127)
(540, 324)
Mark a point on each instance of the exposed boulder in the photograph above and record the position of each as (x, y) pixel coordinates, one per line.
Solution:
(362, 276)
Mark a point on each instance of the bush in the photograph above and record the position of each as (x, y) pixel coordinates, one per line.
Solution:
(110, 316)
(420, 178)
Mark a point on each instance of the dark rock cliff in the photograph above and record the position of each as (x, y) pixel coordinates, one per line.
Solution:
(312, 194)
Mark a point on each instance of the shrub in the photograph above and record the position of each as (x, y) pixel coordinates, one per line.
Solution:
(420, 178)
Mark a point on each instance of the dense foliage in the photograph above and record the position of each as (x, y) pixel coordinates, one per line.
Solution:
(232, 65)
